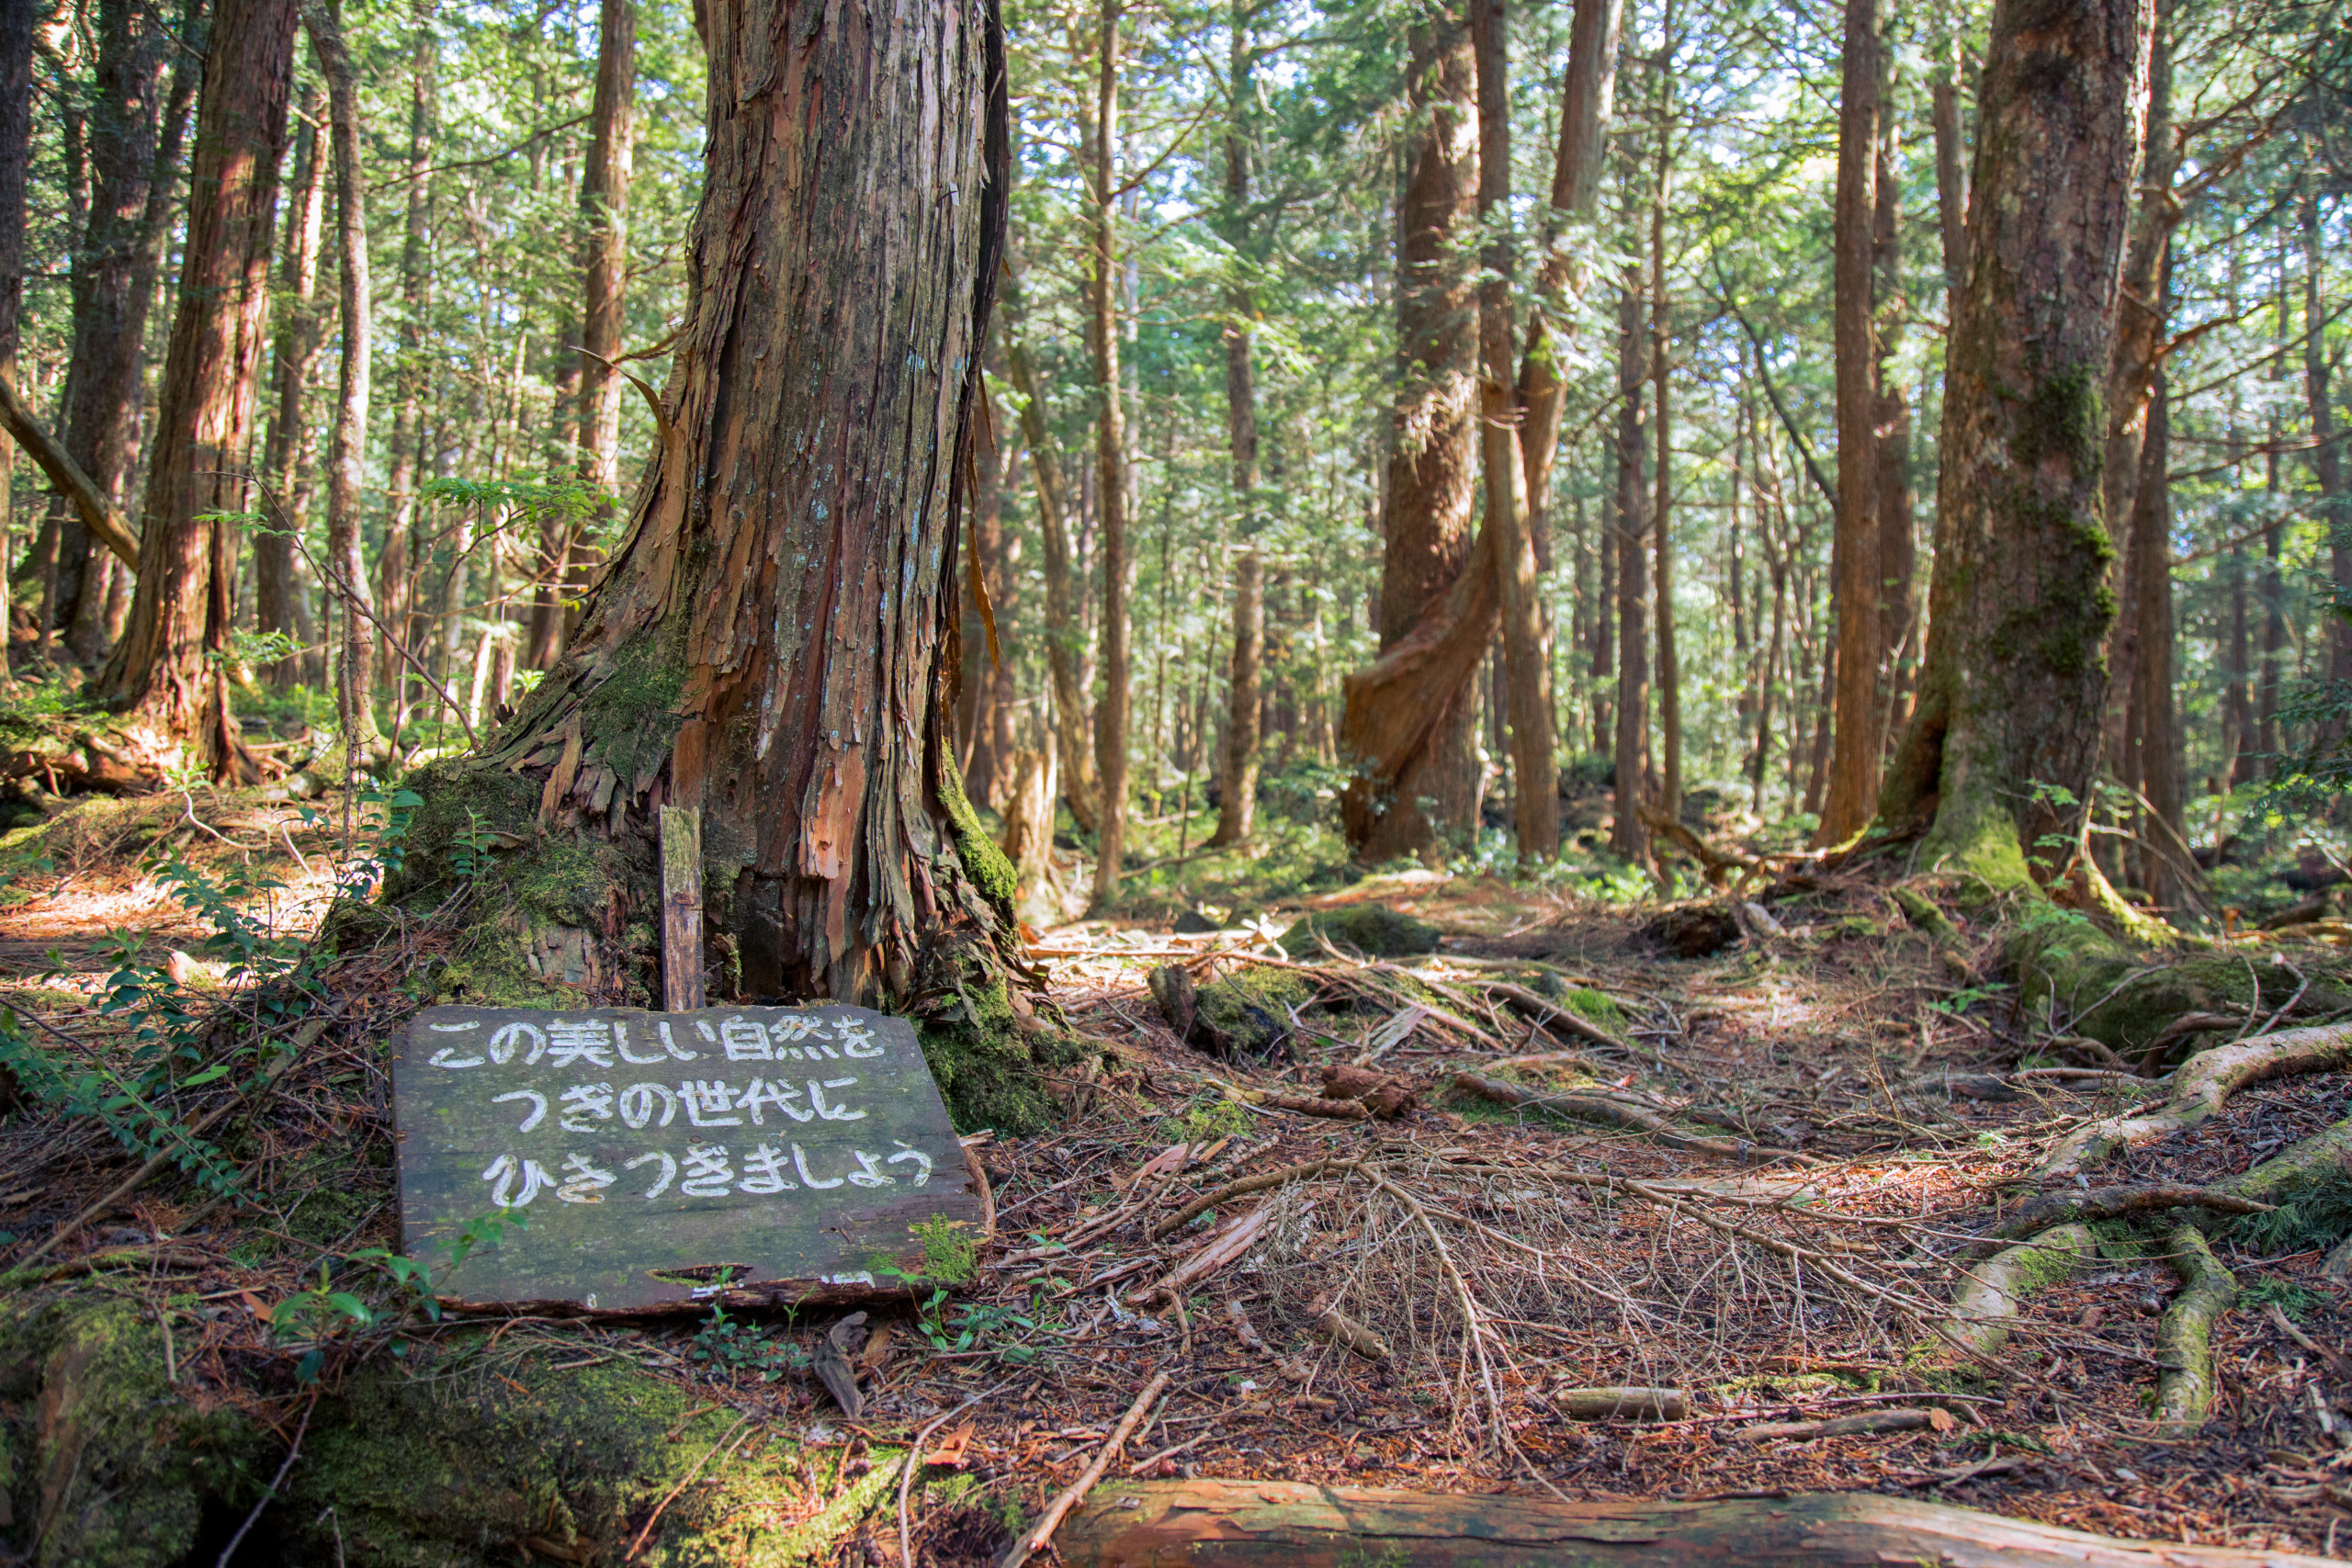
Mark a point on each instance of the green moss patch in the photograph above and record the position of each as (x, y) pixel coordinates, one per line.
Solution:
(1372, 930)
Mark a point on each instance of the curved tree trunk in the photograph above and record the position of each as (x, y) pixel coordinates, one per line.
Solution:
(162, 673)
(2015, 675)
(1426, 518)
(771, 641)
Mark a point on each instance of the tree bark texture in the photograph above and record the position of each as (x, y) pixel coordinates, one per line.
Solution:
(2157, 764)
(279, 604)
(2016, 673)
(347, 566)
(1854, 758)
(1111, 468)
(2328, 456)
(1426, 522)
(770, 641)
(1229, 1524)
(1237, 791)
(1527, 663)
(160, 673)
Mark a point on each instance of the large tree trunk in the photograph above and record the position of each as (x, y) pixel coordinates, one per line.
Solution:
(1237, 801)
(771, 641)
(1854, 762)
(1426, 511)
(279, 604)
(1111, 470)
(135, 137)
(2016, 676)
(1527, 661)
(346, 566)
(166, 674)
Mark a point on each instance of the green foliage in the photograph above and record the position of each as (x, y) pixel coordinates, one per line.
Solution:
(727, 1344)
(335, 1310)
(951, 1253)
(2316, 1216)
(2297, 1301)
(1206, 1121)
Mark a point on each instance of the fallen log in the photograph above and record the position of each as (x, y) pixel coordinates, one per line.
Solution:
(1869, 1421)
(2185, 1334)
(1213, 1524)
(1617, 1113)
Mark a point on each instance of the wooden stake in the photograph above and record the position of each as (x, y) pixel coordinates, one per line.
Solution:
(680, 909)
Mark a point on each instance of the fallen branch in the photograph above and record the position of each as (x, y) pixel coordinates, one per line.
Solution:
(1243, 1188)
(1616, 1113)
(1621, 1404)
(2199, 1088)
(1038, 1534)
(2185, 1334)
(1847, 1425)
(1547, 1012)
(107, 526)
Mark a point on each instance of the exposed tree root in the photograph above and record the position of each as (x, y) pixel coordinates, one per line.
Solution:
(2107, 1204)
(2315, 1161)
(1986, 1301)
(2185, 1334)
(2199, 1088)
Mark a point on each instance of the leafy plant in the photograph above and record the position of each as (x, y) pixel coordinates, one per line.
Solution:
(329, 1310)
(2296, 1300)
(731, 1346)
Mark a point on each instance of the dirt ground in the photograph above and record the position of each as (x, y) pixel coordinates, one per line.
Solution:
(1786, 1262)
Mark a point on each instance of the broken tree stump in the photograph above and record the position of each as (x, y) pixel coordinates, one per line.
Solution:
(1213, 1524)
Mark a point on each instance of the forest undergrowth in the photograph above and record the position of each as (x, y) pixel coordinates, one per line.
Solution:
(1438, 1182)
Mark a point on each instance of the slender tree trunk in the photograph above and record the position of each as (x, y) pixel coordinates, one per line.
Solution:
(2237, 725)
(1670, 663)
(2328, 456)
(17, 18)
(988, 684)
(279, 605)
(603, 243)
(1952, 181)
(2158, 764)
(1237, 796)
(1854, 764)
(1891, 431)
(2274, 623)
(1630, 836)
(1528, 664)
(1111, 458)
(1426, 521)
(346, 566)
(2014, 684)
(1063, 587)
(166, 674)
(398, 570)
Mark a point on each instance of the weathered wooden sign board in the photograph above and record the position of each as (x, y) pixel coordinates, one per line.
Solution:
(662, 1160)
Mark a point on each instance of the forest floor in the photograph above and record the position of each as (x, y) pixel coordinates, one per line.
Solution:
(1844, 1108)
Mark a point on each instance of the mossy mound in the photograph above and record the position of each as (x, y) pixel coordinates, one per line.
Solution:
(1246, 1013)
(991, 1062)
(1373, 930)
(449, 1458)
(2076, 977)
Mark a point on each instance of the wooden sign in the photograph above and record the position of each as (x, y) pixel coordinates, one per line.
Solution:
(751, 1154)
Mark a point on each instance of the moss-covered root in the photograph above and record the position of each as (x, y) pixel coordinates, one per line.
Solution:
(1921, 911)
(2110, 1203)
(2185, 1334)
(2199, 1088)
(2319, 1160)
(1986, 1301)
